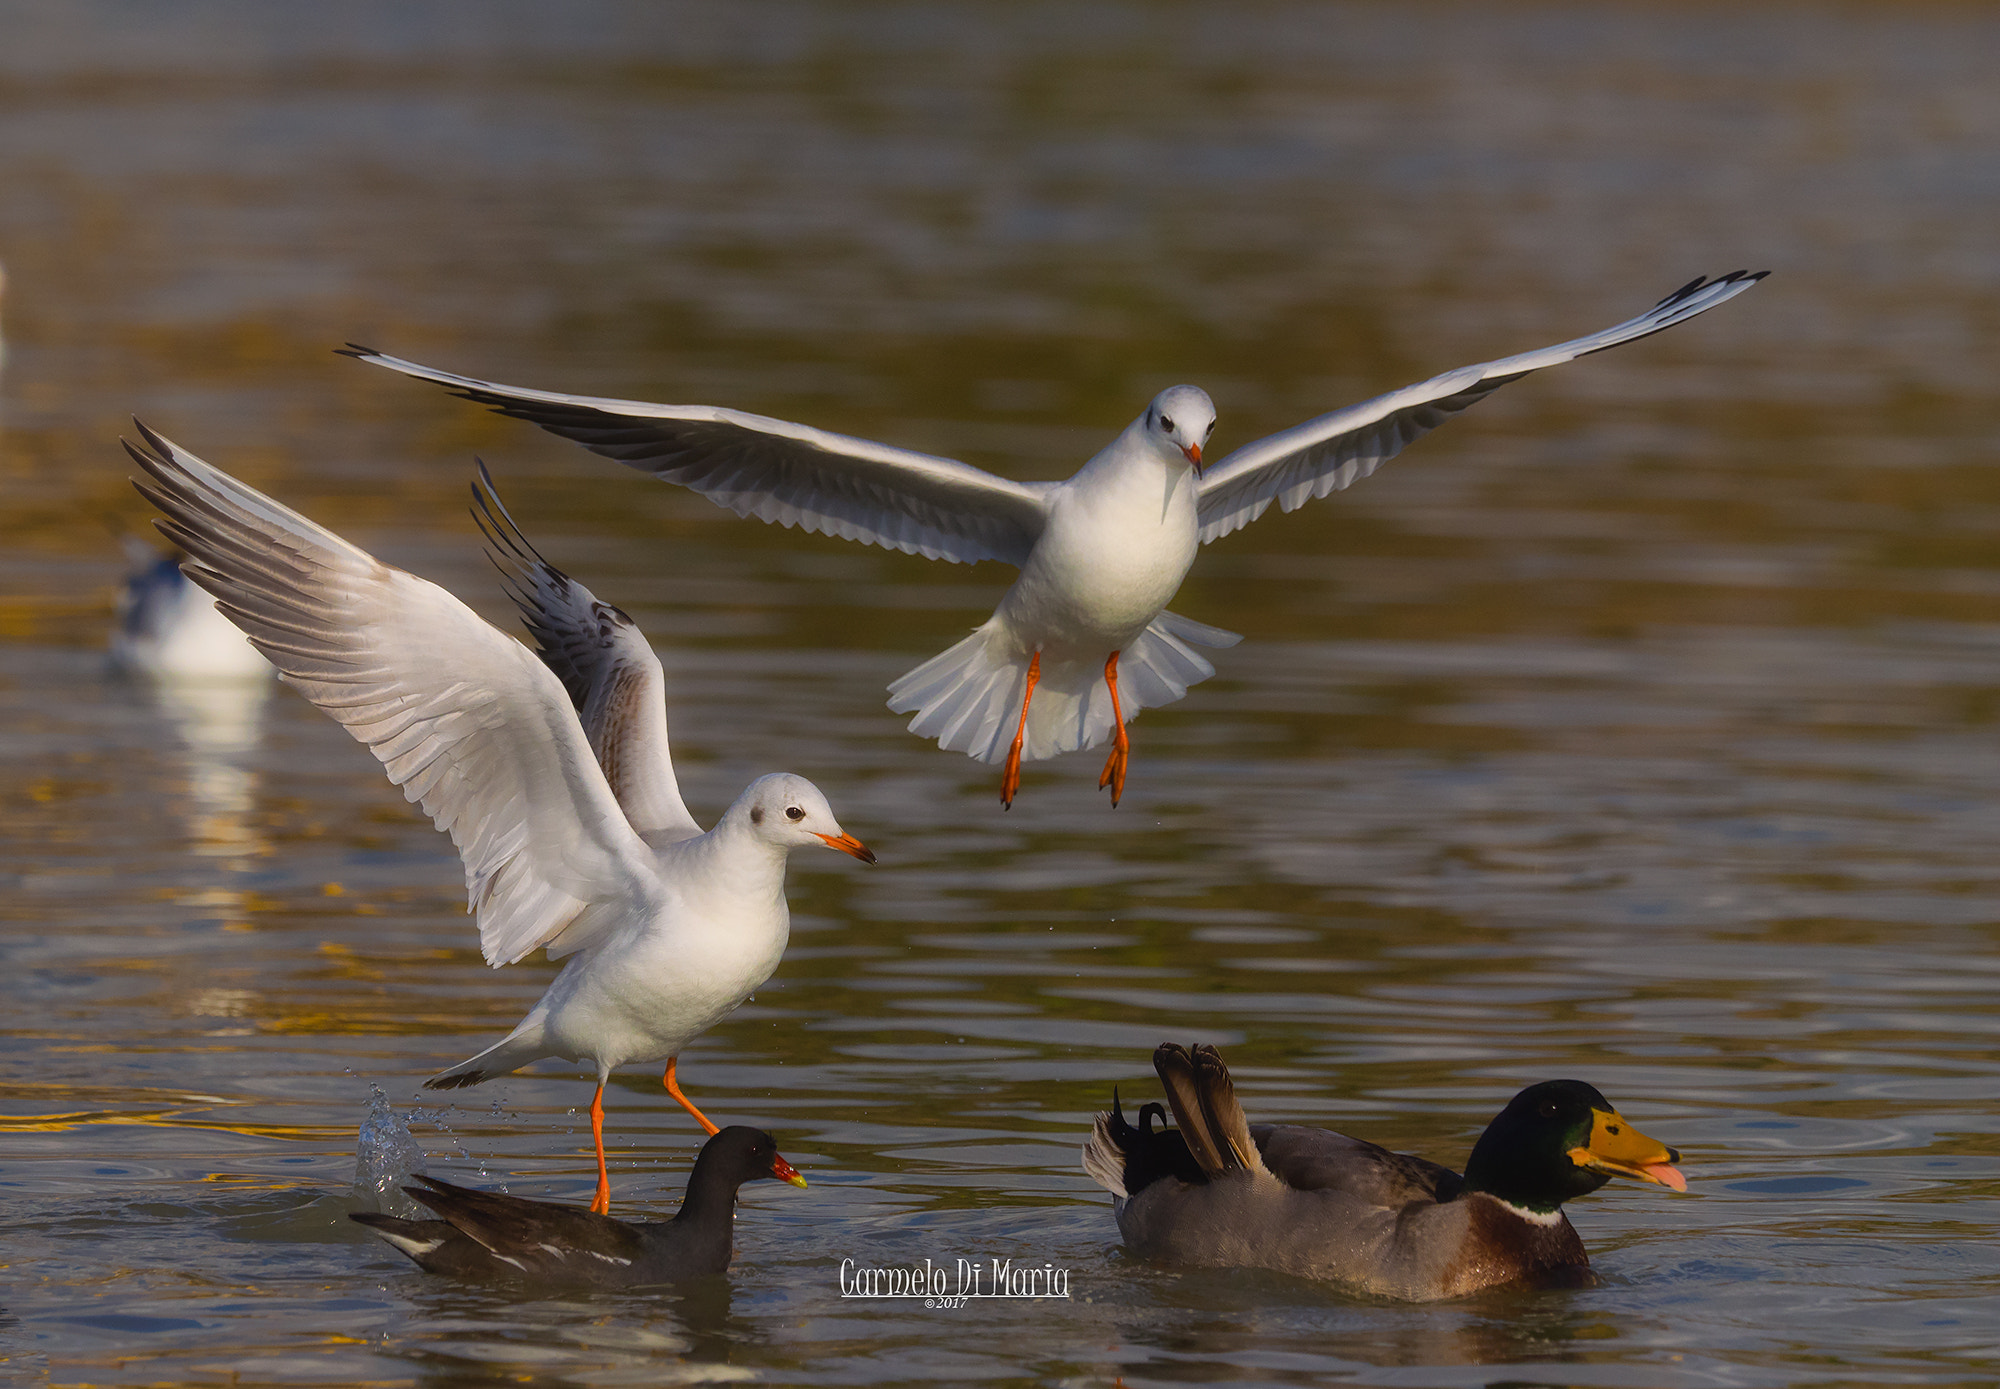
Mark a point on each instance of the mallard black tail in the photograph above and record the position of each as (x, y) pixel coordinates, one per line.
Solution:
(1125, 1160)
(1213, 1137)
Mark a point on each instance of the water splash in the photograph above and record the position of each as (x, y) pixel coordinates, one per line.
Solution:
(385, 1156)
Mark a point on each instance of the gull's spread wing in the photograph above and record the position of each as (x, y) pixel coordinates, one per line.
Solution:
(613, 678)
(464, 718)
(1327, 454)
(792, 474)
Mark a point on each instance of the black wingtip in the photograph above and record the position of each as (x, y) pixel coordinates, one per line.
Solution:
(454, 1082)
(155, 441)
(484, 497)
(1683, 292)
(497, 523)
(356, 351)
(162, 450)
(156, 457)
(1701, 282)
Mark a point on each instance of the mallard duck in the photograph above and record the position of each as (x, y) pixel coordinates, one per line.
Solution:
(1223, 1193)
(485, 1236)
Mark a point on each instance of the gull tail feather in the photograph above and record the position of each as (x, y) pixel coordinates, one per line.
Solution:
(524, 1044)
(1159, 666)
(968, 697)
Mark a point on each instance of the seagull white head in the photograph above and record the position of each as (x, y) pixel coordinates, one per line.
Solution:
(1180, 419)
(788, 812)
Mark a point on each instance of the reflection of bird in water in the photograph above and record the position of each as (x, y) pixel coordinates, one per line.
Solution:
(209, 681)
(219, 721)
(562, 801)
(168, 628)
(1083, 640)
(1222, 1193)
(487, 1236)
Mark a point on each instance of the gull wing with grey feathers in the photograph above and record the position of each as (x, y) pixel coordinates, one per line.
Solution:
(613, 677)
(465, 719)
(791, 474)
(1329, 453)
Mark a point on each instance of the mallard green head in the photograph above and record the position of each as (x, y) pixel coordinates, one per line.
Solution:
(1560, 1140)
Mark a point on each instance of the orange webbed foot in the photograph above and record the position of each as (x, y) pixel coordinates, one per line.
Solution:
(1010, 775)
(1121, 746)
(1114, 768)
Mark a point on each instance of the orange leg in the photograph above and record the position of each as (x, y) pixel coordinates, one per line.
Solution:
(674, 1089)
(1121, 746)
(1010, 777)
(600, 1203)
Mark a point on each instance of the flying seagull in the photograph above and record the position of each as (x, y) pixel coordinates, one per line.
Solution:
(1083, 640)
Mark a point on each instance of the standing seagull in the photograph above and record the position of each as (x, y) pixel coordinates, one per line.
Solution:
(572, 829)
(1100, 555)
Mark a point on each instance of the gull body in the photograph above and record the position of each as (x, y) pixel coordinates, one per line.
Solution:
(549, 769)
(657, 974)
(1042, 675)
(1083, 639)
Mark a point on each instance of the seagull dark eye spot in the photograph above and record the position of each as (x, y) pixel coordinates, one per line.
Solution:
(756, 814)
(1166, 425)
(793, 812)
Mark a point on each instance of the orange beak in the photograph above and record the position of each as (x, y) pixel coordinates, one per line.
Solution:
(1193, 452)
(848, 844)
(784, 1171)
(1619, 1150)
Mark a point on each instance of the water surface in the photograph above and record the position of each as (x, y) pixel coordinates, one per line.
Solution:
(1639, 725)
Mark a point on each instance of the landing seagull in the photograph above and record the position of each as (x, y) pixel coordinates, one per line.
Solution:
(1082, 641)
(562, 801)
